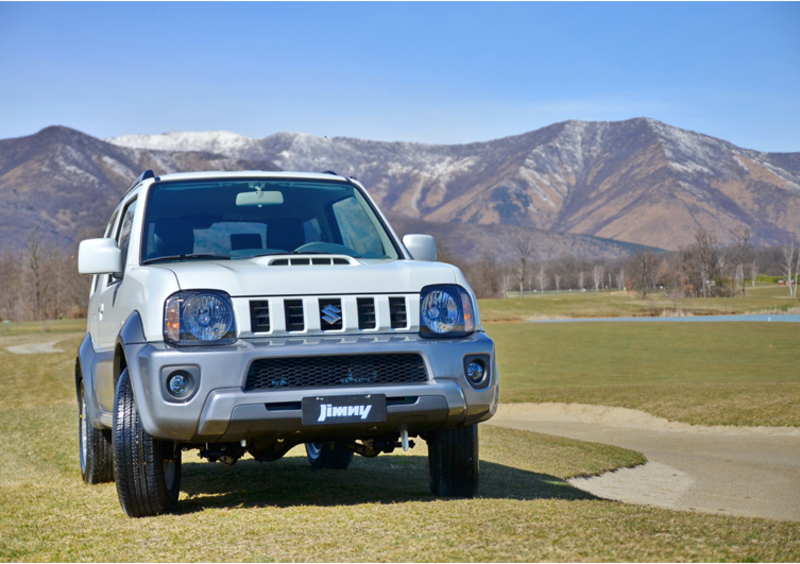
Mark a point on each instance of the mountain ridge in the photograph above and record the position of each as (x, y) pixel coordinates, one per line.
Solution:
(60, 184)
(638, 180)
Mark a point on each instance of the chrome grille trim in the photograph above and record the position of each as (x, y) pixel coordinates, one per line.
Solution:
(359, 314)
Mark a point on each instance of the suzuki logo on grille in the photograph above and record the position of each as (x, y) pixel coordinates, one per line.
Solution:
(331, 314)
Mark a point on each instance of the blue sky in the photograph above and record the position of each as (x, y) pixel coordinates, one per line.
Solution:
(429, 72)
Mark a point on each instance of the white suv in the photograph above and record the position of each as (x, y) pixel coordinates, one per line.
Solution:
(249, 312)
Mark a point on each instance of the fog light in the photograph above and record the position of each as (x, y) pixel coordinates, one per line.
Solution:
(178, 384)
(476, 372)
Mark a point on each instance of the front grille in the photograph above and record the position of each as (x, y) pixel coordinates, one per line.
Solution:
(397, 311)
(335, 371)
(259, 316)
(294, 315)
(366, 313)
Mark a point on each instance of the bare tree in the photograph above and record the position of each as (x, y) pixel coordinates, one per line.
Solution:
(741, 252)
(557, 278)
(597, 273)
(645, 266)
(621, 279)
(542, 279)
(39, 281)
(700, 263)
(11, 286)
(709, 257)
(484, 275)
(524, 247)
(789, 265)
(580, 280)
(754, 273)
(796, 271)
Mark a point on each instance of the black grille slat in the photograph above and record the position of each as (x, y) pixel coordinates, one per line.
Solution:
(293, 310)
(330, 314)
(259, 316)
(397, 311)
(335, 371)
(366, 313)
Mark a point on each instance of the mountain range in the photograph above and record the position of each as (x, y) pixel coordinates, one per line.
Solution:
(639, 180)
(571, 185)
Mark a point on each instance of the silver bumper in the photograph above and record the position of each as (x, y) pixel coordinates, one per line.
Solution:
(221, 411)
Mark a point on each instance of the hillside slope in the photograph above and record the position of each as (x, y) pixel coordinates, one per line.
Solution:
(60, 184)
(638, 180)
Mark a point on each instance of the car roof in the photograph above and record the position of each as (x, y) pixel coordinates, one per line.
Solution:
(249, 174)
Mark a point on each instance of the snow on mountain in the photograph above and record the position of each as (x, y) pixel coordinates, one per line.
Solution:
(218, 142)
(639, 180)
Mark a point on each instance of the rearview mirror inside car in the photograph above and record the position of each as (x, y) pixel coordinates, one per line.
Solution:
(259, 198)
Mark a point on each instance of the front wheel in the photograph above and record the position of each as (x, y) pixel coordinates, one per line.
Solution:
(148, 469)
(328, 455)
(97, 458)
(453, 461)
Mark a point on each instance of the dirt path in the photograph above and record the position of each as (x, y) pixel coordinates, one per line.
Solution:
(35, 348)
(749, 471)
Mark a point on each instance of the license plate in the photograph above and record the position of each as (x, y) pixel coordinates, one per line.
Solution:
(336, 410)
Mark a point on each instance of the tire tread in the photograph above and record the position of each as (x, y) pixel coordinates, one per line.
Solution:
(453, 461)
(138, 460)
(99, 463)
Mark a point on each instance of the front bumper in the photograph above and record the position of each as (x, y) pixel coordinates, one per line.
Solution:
(221, 411)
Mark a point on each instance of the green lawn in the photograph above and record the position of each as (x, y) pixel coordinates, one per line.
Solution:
(50, 326)
(705, 373)
(378, 510)
(763, 298)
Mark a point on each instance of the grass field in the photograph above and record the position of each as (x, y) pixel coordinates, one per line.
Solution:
(763, 298)
(702, 373)
(378, 510)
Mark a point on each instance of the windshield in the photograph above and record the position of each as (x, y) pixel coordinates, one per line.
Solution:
(235, 219)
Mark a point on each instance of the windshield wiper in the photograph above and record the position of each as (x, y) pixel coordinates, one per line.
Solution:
(198, 256)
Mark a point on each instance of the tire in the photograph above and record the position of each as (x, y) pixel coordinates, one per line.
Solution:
(453, 461)
(148, 470)
(328, 456)
(96, 452)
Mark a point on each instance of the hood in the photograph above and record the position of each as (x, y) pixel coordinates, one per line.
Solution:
(257, 277)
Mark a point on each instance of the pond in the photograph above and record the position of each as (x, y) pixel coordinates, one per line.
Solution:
(779, 318)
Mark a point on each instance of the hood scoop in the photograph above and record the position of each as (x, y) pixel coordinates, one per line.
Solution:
(313, 261)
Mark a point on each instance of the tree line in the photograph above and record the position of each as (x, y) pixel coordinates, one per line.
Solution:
(703, 268)
(41, 281)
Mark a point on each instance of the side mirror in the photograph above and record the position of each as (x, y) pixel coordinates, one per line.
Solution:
(99, 256)
(421, 247)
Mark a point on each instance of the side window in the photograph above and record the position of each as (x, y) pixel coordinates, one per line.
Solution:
(106, 235)
(357, 230)
(110, 225)
(124, 236)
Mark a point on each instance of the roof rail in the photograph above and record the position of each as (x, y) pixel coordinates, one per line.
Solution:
(330, 172)
(144, 176)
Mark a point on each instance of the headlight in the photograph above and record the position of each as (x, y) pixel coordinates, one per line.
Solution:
(445, 311)
(199, 318)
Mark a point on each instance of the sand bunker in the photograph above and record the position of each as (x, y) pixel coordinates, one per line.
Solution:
(749, 471)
